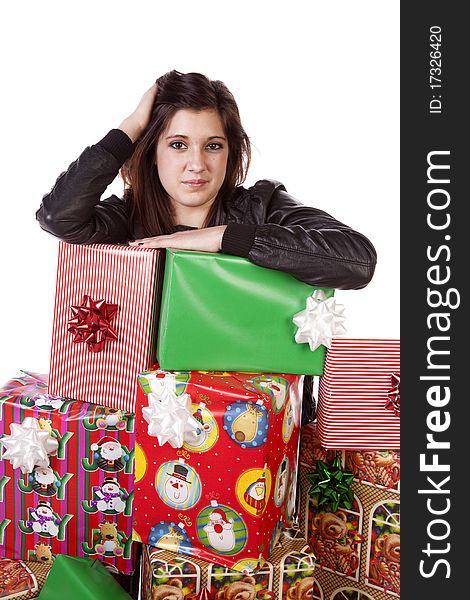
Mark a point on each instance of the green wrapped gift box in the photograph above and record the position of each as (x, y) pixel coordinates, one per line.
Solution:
(81, 579)
(223, 313)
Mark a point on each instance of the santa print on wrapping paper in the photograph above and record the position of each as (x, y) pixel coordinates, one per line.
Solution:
(221, 528)
(282, 478)
(276, 388)
(108, 455)
(219, 531)
(43, 481)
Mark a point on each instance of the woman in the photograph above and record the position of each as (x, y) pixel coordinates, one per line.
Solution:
(183, 155)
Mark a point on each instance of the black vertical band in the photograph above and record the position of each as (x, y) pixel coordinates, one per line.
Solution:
(434, 196)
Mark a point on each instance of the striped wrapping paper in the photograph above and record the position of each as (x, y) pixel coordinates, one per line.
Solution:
(353, 392)
(121, 275)
(95, 453)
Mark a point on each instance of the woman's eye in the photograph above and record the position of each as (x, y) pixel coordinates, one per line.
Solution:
(214, 146)
(177, 145)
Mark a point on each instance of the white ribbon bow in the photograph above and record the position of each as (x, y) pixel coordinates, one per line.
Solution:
(169, 418)
(320, 321)
(28, 445)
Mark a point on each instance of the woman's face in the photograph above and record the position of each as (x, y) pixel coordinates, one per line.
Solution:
(191, 158)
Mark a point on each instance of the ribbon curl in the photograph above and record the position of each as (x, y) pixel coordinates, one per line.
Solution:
(169, 418)
(28, 445)
(332, 485)
(91, 323)
(393, 395)
(320, 321)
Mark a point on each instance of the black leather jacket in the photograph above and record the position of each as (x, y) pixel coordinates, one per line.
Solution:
(264, 223)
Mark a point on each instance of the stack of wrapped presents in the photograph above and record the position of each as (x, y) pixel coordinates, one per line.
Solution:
(349, 471)
(163, 454)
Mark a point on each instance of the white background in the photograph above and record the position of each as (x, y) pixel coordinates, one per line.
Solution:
(317, 84)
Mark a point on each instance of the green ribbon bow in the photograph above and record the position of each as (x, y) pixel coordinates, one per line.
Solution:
(332, 486)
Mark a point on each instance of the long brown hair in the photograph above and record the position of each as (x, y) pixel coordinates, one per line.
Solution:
(149, 205)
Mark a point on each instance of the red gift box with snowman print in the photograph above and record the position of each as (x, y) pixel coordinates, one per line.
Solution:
(78, 500)
(216, 463)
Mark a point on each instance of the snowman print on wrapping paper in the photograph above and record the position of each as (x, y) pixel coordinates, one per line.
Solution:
(43, 521)
(282, 477)
(206, 435)
(48, 403)
(109, 454)
(110, 497)
(178, 484)
(247, 423)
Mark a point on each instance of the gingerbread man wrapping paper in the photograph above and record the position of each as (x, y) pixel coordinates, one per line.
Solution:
(227, 492)
(80, 503)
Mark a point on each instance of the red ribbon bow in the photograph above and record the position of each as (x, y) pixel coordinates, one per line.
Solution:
(393, 396)
(91, 323)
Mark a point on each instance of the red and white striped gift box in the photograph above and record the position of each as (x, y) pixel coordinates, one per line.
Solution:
(353, 394)
(120, 275)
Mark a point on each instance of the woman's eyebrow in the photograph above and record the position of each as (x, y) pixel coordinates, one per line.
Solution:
(185, 137)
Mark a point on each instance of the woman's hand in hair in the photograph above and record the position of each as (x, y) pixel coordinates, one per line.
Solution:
(135, 123)
(202, 240)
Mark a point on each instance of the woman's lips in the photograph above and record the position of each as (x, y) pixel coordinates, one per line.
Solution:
(195, 183)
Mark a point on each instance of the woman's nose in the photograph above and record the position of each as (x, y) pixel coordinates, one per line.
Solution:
(196, 161)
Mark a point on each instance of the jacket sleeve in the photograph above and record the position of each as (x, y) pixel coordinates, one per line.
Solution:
(303, 241)
(73, 209)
